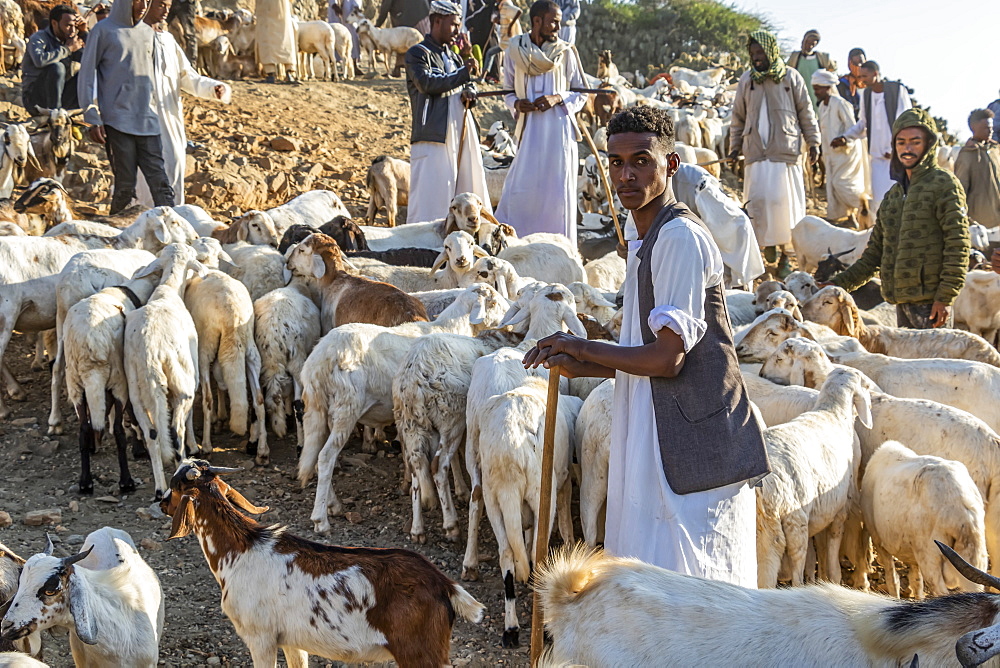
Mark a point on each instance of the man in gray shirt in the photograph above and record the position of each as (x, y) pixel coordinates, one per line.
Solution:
(46, 83)
(116, 91)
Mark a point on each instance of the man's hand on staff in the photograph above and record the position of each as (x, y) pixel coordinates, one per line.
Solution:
(559, 350)
(546, 102)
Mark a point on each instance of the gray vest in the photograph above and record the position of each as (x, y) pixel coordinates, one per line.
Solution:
(891, 92)
(709, 437)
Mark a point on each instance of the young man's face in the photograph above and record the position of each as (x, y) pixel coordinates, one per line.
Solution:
(640, 167)
(809, 43)
(822, 92)
(911, 145)
(759, 59)
(65, 27)
(139, 8)
(158, 10)
(982, 129)
(867, 77)
(444, 29)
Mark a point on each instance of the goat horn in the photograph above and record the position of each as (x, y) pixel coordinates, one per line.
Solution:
(77, 557)
(970, 572)
(222, 470)
(192, 473)
(50, 547)
(842, 253)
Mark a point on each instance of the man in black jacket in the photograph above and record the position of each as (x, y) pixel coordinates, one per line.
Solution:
(444, 143)
(47, 83)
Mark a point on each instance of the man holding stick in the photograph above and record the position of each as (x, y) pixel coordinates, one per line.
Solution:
(444, 144)
(685, 446)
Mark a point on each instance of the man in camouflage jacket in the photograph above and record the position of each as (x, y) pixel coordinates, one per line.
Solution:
(920, 243)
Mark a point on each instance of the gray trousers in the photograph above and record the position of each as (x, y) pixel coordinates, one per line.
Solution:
(917, 316)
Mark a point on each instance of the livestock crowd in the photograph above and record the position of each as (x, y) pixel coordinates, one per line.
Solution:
(882, 441)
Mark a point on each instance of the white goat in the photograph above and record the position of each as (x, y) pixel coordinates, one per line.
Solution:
(286, 329)
(802, 285)
(784, 299)
(466, 212)
(976, 305)
(606, 273)
(388, 182)
(814, 238)
(592, 301)
(316, 207)
(316, 38)
(593, 446)
(609, 611)
(114, 615)
(814, 461)
(161, 362)
(17, 151)
(347, 379)
(395, 41)
(942, 503)
(453, 268)
(259, 268)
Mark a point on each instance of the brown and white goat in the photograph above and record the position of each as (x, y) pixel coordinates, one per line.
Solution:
(388, 184)
(254, 227)
(346, 297)
(341, 603)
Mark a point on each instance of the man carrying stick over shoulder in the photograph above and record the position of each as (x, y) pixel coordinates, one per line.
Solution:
(685, 446)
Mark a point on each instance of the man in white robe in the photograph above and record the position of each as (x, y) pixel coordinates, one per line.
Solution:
(539, 194)
(275, 39)
(668, 503)
(772, 114)
(846, 194)
(174, 73)
(881, 103)
(444, 143)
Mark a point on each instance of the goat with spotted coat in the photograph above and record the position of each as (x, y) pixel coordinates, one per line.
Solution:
(341, 603)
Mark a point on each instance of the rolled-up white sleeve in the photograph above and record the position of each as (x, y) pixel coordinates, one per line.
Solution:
(686, 262)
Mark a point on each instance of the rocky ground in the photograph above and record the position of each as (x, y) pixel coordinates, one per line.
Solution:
(271, 144)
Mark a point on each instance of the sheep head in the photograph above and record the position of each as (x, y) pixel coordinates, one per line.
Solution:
(50, 594)
(797, 361)
(161, 226)
(317, 256)
(834, 307)
(801, 284)
(256, 227)
(460, 253)
(765, 333)
(762, 292)
(786, 300)
(465, 213)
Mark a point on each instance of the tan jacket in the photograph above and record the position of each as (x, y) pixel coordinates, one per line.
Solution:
(790, 115)
(978, 170)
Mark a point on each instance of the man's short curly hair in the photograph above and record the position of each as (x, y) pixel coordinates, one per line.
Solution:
(643, 120)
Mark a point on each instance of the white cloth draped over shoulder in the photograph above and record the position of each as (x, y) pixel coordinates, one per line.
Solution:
(435, 173)
(845, 168)
(774, 192)
(539, 194)
(174, 74)
(708, 534)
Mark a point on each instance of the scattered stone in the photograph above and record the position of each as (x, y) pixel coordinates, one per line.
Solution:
(37, 518)
(143, 513)
(149, 544)
(285, 144)
(5, 519)
(213, 661)
(74, 539)
(43, 448)
(24, 422)
(353, 517)
(74, 505)
(155, 512)
(107, 499)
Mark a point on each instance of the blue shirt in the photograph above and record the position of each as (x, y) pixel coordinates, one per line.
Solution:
(994, 106)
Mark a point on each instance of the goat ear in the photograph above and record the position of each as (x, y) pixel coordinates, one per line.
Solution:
(863, 405)
(318, 266)
(479, 251)
(242, 232)
(240, 501)
(514, 316)
(440, 261)
(161, 232)
(797, 313)
(490, 218)
(501, 286)
(809, 378)
(848, 325)
(450, 224)
(573, 323)
(183, 518)
(79, 605)
(150, 268)
(797, 377)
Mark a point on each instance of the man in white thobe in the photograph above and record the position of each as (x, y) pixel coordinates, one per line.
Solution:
(846, 194)
(570, 15)
(174, 73)
(684, 442)
(444, 144)
(772, 114)
(539, 194)
(881, 102)
(275, 39)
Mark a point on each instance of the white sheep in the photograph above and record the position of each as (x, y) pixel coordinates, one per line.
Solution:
(501, 275)
(466, 212)
(740, 307)
(200, 220)
(611, 611)
(976, 306)
(259, 268)
(161, 362)
(316, 208)
(429, 410)
(928, 427)
(593, 447)
(342, 46)
(834, 307)
(762, 292)
(510, 454)
(592, 301)
(435, 301)
(253, 227)
(802, 285)
(388, 182)
(348, 377)
(814, 467)
(286, 329)
(941, 503)
(316, 38)
(606, 273)
(777, 404)
(814, 238)
(784, 299)
(114, 614)
(453, 268)
(756, 341)
(396, 40)
(544, 260)
(223, 316)
(541, 310)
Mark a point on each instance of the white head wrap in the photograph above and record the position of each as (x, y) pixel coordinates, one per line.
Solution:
(824, 78)
(445, 8)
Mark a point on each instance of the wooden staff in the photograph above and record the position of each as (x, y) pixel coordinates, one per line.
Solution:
(543, 520)
(604, 179)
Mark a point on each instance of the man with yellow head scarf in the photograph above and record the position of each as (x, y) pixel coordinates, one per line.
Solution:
(771, 116)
